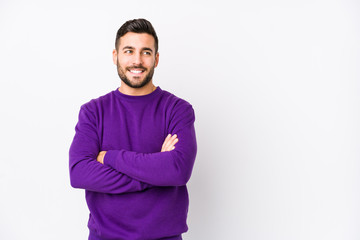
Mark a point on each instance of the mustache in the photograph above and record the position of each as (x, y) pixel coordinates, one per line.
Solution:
(140, 66)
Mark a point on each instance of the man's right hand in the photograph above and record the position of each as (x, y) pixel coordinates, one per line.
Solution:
(169, 143)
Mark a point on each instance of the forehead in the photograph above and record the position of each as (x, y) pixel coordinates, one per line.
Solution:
(137, 40)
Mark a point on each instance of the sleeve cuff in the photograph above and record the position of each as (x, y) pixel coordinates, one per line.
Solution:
(109, 159)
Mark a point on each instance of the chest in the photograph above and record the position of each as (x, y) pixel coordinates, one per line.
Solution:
(139, 129)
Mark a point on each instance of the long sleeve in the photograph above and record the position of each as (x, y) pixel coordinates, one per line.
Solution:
(171, 168)
(85, 171)
(138, 188)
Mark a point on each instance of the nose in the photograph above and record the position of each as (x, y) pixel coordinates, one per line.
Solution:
(137, 59)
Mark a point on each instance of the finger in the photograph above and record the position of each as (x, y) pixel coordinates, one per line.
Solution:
(165, 141)
(173, 141)
(170, 141)
(173, 145)
(169, 145)
(166, 144)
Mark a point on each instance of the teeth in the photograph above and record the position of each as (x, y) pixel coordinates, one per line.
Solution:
(136, 71)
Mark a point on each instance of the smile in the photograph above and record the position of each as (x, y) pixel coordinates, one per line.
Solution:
(136, 71)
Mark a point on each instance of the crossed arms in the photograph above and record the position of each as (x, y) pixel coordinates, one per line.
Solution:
(126, 171)
(168, 145)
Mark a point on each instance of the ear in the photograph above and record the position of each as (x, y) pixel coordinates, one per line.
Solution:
(157, 59)
(114, 53)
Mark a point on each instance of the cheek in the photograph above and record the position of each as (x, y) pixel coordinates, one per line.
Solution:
(151, 63)
(122, 63)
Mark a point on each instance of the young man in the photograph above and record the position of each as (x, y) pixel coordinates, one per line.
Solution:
(134, 148)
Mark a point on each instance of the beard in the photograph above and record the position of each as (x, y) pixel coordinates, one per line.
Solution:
(135, 84)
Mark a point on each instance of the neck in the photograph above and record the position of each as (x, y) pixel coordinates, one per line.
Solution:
(145, 90)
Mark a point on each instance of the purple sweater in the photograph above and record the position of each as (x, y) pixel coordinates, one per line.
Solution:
(139, 192)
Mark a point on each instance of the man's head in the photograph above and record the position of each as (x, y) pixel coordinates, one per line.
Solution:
(137, 26)
(136, 53)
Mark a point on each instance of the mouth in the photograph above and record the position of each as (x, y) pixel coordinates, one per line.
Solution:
(136, 71)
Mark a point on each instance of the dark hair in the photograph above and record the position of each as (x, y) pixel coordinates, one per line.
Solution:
(137, 26)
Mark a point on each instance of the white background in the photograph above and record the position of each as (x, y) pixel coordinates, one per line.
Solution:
(276, 90)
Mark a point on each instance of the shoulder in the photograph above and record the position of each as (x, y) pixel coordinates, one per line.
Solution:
(95, 107)
(175, 102)
(96, 103)
(177, 107)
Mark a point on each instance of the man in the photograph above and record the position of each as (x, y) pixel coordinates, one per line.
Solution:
(134, 148)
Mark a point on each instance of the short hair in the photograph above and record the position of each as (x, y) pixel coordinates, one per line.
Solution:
(137, 26)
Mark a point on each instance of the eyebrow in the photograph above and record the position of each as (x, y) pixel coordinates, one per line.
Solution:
(128, 47)
(143, 49)
(147, 49)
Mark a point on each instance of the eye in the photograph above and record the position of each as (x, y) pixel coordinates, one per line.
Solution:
(147, 53)
(128, 51)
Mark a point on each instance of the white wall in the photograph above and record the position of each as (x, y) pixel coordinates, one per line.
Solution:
(275, 86)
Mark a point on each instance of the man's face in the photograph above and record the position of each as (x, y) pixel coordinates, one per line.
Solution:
(136, 59)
